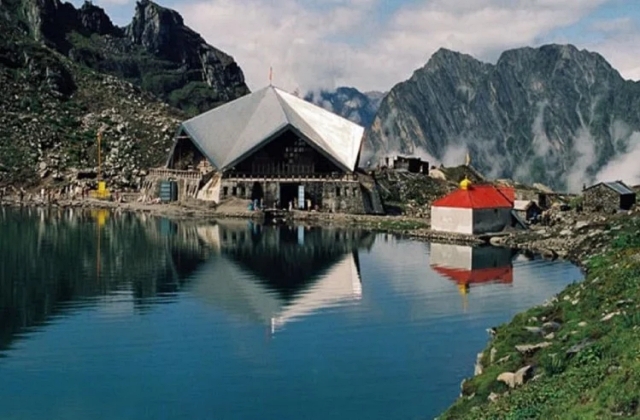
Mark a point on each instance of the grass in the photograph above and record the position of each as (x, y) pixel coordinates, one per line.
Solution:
(600, 381)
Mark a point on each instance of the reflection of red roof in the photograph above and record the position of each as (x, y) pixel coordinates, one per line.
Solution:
(478, 197)
(482, 275)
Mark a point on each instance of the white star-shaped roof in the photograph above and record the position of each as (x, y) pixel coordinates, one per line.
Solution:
(228, 134)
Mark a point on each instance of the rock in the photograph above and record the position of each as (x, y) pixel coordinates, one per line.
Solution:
(579, 347)
(522, 375)
(508, 378)
(551, 326)
(497, 241)
(504, 359)
(478, 368)
(492, 355)
(493, 397)
(550, 336)
(609, 316)
(518, 378)
(531, 348)
(582, 324)
(581, 224)
(534, 330)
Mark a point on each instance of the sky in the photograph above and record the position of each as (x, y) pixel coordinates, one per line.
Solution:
(374, 44)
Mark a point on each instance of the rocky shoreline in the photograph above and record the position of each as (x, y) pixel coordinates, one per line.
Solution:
(556, 360)
(569, 235)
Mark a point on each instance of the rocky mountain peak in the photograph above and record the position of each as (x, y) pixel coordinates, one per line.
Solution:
(349, 103)
(95, 20)
(158, 29)
(156, 51)
(553, 114)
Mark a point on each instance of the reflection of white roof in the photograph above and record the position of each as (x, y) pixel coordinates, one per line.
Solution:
(226, 285)
(231, 132)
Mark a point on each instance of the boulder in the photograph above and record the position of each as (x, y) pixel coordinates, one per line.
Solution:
(531, 348)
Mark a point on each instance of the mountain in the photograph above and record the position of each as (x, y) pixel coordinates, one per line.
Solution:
(54, 100)
(156, 51)
(349, 103)
(554, 114)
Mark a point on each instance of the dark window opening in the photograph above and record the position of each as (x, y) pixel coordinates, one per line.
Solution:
(225, 191)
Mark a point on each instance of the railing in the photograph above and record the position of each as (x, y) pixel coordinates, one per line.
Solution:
(308, 177)
(175, 173)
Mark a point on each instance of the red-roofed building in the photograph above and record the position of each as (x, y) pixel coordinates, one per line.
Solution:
(473, 209)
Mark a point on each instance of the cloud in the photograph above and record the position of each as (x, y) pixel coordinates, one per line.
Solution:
(618, 42)
(354, 43)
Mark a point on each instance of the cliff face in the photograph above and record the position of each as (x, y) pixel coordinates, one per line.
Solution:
(155, 51)
(52, 108)
(552, 114)
(349, 103)
(68, 73)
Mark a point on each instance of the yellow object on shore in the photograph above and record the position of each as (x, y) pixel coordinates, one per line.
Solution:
(102, 192)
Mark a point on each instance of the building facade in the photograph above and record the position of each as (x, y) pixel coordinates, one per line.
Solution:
(277, 150)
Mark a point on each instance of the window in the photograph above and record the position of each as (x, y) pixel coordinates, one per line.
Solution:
(337, 191)
(234, 191)
(225, 191)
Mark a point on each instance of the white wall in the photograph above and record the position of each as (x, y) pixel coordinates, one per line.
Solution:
(490, 220)
(451, 256)
(451, 219)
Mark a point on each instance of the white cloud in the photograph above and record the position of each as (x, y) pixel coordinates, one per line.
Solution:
(619, 42)
(343, 42)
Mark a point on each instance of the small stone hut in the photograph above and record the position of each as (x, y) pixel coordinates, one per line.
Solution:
(411, 164)
(526, 209)
(608, 197)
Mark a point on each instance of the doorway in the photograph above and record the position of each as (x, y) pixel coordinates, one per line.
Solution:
(288, 194)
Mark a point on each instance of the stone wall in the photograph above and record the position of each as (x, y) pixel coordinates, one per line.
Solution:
(188, 182)
(337, 196)
(601, 198)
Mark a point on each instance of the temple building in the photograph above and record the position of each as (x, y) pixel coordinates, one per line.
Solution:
(473, 209)
(273, 148)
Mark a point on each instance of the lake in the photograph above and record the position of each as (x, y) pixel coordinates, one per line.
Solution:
(122, 316)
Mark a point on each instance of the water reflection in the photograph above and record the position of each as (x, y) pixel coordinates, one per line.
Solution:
(467, 266)
(273, 275)
(53, 257)
(383, 335)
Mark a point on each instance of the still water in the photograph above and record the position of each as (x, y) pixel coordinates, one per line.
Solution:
(106, 316)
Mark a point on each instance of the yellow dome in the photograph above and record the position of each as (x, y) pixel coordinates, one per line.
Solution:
(465, 183)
